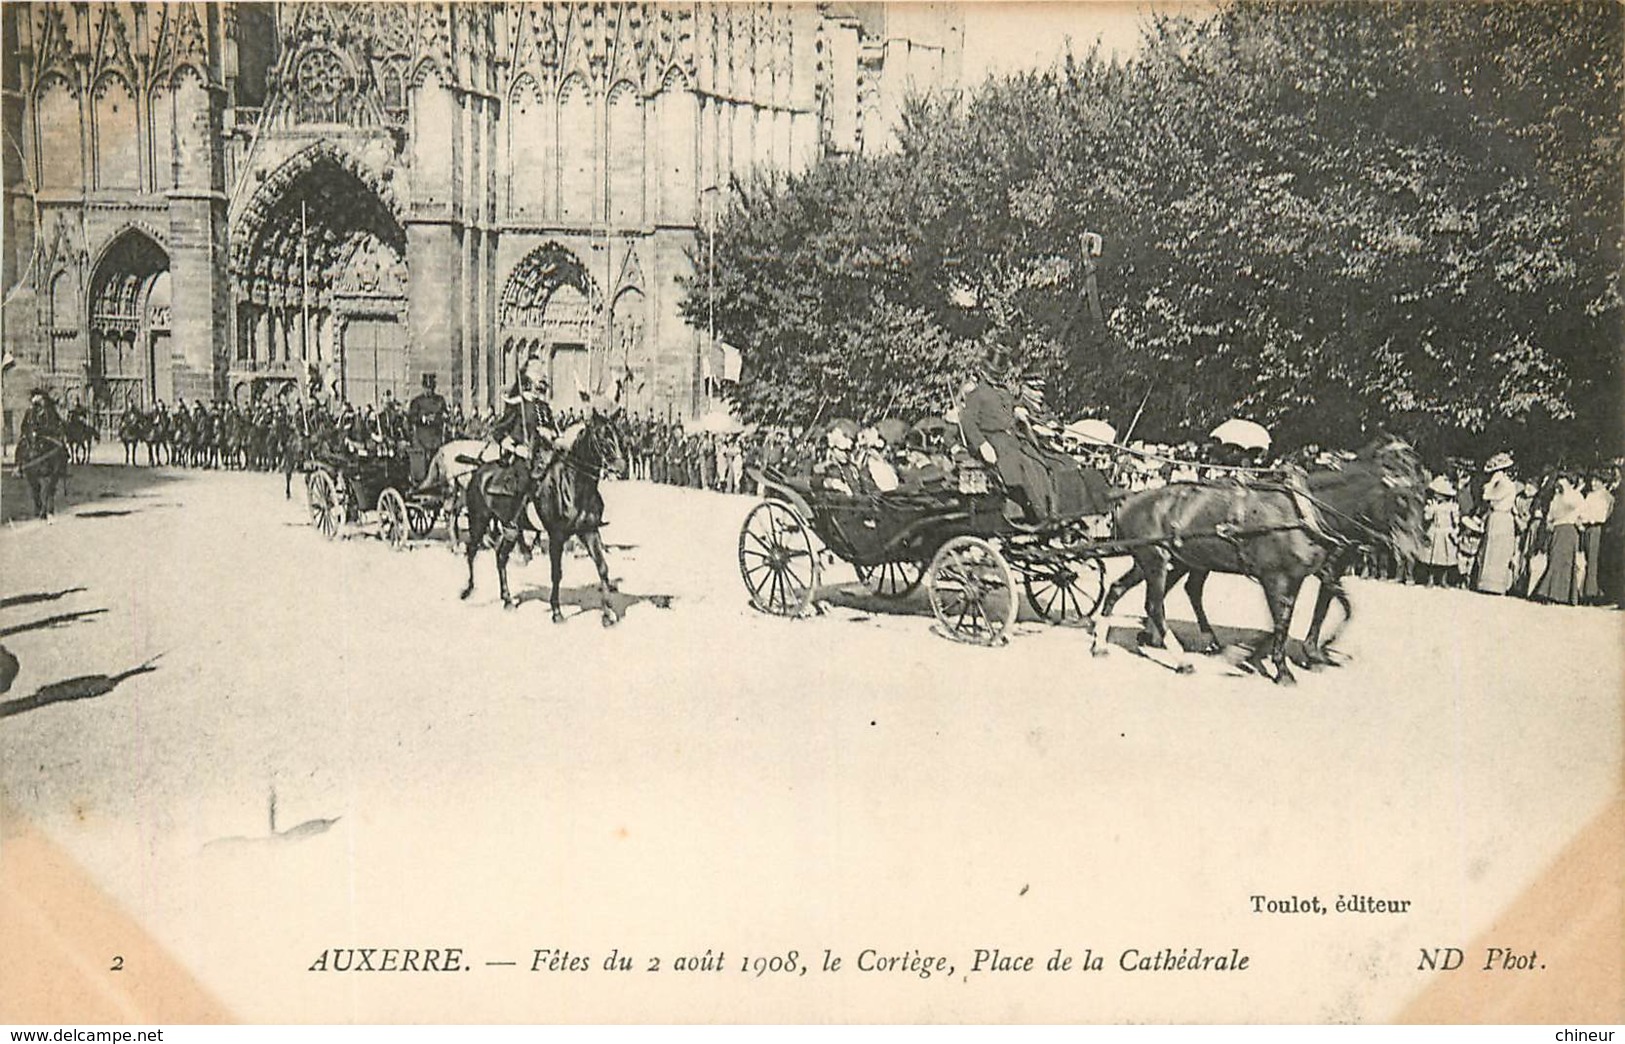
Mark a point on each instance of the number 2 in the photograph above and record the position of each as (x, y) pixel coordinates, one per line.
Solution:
(118, 963)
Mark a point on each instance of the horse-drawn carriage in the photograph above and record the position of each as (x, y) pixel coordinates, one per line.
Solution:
(974, 562)
(343, 486)
(1276, 530)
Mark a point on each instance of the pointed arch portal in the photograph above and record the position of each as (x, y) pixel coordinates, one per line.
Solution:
(322, 282)
(129, 323)
(552, 308)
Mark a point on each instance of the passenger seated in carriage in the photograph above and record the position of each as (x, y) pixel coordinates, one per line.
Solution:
(837, 472)
(875, 471)
(1041, 484)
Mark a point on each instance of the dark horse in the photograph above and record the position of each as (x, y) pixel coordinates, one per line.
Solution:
(43, 461)
(1279, 534)
(565, 498)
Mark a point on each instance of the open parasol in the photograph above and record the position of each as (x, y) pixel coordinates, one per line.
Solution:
(1244, 433)
(1091, 430)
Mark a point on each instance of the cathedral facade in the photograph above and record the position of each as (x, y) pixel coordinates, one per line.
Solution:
(227, 201)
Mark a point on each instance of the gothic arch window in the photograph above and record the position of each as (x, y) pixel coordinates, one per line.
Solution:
(532, 152)
(162, 113)
(624, 147)
(392, 88)
(193, 140)
(578, 147)
(118, 141)
(678, 118)
(61, 162)
(434, 135)
(64, 316)
(323, 86)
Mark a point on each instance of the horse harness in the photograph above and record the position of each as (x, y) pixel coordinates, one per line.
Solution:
(1235, 532)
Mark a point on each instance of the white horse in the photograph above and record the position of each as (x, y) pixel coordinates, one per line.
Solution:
(448, 477)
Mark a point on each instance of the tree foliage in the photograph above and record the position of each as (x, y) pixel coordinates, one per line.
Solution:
(1330, 217)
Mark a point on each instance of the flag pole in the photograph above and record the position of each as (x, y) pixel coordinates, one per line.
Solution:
(304, 285)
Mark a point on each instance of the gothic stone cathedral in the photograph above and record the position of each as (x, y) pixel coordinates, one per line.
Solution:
(233, 200)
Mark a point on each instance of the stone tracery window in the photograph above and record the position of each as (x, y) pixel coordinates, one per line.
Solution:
(323, 84)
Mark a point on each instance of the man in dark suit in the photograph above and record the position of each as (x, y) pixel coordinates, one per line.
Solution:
(987, 419)
(426, 416)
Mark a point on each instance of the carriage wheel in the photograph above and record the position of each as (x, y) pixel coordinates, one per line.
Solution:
(1065, 592)
(776, 559)
(973, 592)
(420, 517)
(892, 579)
(396, 527)
(324, 511)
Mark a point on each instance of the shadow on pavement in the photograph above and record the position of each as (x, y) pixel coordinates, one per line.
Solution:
(13, 601)
(586, 599)
(85, 483)
(85, 687)
(50, 622)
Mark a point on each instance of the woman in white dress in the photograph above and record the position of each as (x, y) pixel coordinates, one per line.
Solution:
(1497, 556)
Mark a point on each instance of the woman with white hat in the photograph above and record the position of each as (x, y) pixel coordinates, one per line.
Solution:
(1441, 517)
(1497, 557)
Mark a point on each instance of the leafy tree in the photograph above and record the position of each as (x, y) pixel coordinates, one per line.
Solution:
(1327, 216)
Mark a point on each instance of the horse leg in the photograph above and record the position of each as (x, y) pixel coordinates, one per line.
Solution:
(555, 561)
(1207, 642)
(1105, 612)
(1154, 640)
(1314, 648)
(606, 586)
(477, 521)
(1281, 591)
(504, 549)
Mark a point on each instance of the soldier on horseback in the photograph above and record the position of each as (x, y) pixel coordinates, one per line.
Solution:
(42, 450)
(526, 432)
(42, 419)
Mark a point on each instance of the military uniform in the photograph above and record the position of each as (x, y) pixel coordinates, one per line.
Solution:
(525, 430)
(42, 420)
(426, 417)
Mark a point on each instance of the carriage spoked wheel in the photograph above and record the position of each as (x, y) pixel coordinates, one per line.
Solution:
(777, 559)
(1065, 593)
(891, 579)
(420, 517)
(392, 519)
(973, 592)
(324, 508)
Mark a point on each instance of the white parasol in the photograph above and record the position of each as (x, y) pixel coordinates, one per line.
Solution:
(1244, 433)
(1091, 430)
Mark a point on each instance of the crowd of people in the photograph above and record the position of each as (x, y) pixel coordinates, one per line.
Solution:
(1553, 534)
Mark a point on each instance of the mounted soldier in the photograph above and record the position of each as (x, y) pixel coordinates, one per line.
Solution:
(427, 418)
(525, 430)
(42, 419)
(42, 450)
